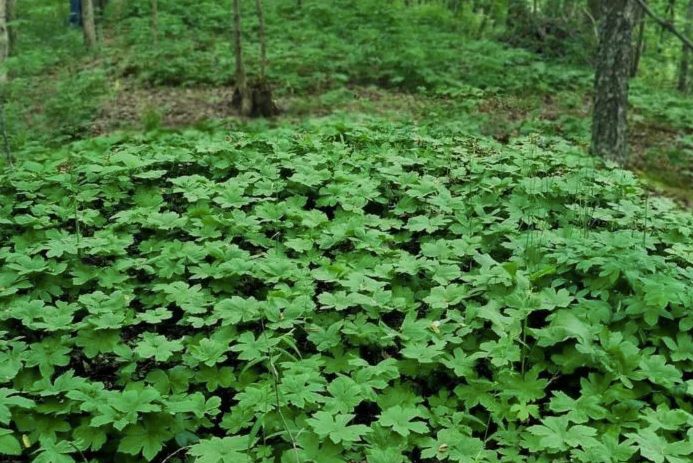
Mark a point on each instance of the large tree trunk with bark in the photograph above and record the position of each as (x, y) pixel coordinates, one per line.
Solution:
(89, 24)
(242, 97)
(252, 99)
(12, 28)
(610, 123)
(683, 84)
(4, 40)
(261, 90)
(4, 53)
(261, 37)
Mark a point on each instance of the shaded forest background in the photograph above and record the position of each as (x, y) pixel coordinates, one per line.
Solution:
(501, 69)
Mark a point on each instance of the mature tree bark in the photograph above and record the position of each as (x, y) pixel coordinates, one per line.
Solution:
(242, 93)
(685, 52)
(76, 13)
(12, 28)
(640, 41)
(610, 123)
(261, 91)
(9, 158)
(4, 40)
(4, 53)
(89, 24)
(263, 40)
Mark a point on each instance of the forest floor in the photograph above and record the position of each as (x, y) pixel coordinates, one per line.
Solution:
(485, 88)
(502, 117)
(417, 260)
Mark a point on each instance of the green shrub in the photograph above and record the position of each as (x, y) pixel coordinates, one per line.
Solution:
(75, 101)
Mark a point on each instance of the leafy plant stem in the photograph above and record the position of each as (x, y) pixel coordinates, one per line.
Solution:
(176, 452)
(275, 381)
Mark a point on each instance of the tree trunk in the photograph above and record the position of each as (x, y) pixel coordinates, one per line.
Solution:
(12, 28)
(76, 13)
(261, 36)
(5, 11)
(640, 43)
(683, 84)
(89, 24)
(4, 40)
(610, 123)
(9, 158)
(155, 21)
(243, 96)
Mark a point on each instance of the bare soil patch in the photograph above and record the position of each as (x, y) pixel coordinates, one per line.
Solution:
(134, 106)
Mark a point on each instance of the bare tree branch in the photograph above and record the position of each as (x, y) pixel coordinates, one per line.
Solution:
(665, 24)
(595, 25)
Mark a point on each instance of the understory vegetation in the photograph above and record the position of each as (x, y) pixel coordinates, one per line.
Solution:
(324, 57)
(341, 290)
(418, 261)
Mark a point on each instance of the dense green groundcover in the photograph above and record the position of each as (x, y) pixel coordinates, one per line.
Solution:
(340, 292)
